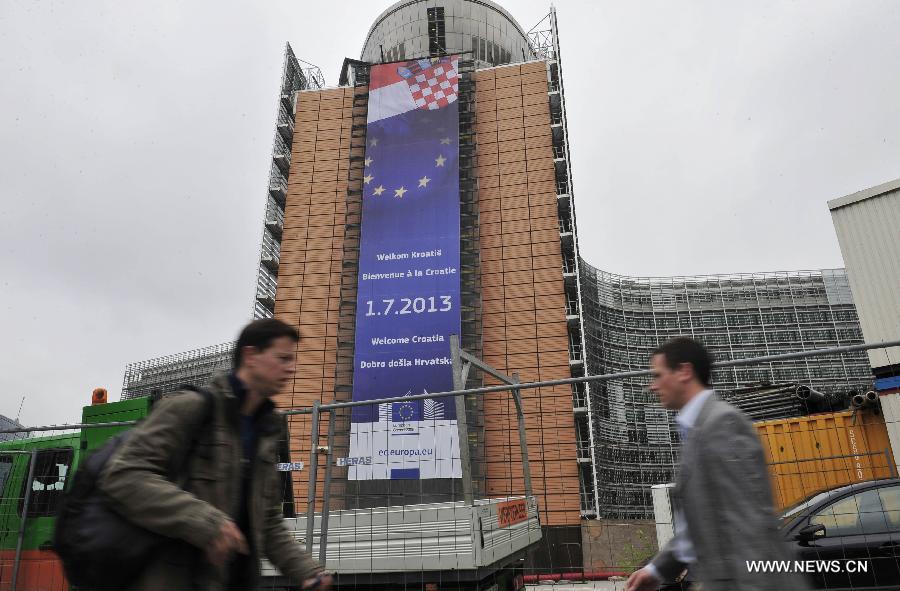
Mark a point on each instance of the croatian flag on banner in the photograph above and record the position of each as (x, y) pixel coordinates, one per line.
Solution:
(408, 290)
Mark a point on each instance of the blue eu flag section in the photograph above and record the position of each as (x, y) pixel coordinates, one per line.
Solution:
(408, 291)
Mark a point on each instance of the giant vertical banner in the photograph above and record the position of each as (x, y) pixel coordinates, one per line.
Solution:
(408, 291)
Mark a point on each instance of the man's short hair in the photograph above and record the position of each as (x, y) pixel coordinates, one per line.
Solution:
(686, 350)
(260, 334)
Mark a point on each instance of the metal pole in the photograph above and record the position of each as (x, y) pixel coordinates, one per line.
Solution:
(523, 444)
(296, 411)
(313, 468)
(25, 502)
(605, 377)
(68, 427)
(524, 386)
(326, 494)
(461, 421)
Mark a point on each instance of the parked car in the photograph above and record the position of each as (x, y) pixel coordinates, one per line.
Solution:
(854, 530)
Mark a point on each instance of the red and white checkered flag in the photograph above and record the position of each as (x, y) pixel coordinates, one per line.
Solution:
(434, 83)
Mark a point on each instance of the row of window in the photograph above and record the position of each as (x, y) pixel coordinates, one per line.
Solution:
(648, 299)
(721, 344)
(714, 283)
(489, 52)
(437, 37)
(396, 53)
(722, 318)
(617, 323)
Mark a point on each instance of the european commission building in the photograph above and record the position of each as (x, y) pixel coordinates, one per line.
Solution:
(430, 193)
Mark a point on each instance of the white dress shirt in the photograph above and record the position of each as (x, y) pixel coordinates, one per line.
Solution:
(682, 547)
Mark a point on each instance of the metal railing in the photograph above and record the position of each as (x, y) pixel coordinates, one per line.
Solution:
(579, 397)
(285, 118)
(576, 354)
(26, 501)
(277, 182)
(280, 149)
(590, 379)
(461, 363)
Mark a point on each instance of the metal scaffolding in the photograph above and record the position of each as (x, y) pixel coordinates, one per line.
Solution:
(169, 373)
(8, 423)
(541, 37)
(736, 316)
(470, 408)
(296, 75)
(544, 40)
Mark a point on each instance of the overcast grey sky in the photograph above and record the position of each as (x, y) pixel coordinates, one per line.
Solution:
(135, 140)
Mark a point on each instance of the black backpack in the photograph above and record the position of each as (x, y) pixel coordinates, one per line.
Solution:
(100, 549)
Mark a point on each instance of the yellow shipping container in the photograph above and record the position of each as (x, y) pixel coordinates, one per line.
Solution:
(815, 453)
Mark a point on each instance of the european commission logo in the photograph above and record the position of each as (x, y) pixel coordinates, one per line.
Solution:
(412, 411)
(405, 412)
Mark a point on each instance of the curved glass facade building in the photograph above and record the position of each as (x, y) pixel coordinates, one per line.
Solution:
(421, 28)
(736, 316)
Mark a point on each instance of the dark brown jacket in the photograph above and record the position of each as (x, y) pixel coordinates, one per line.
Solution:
(140, 481)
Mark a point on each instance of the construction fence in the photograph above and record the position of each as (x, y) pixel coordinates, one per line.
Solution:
(485, 518)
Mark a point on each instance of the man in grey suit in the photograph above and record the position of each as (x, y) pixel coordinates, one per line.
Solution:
(722, 499)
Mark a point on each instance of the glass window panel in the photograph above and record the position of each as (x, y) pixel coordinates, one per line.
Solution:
(5, 468)
(50, 473)
(890, 502)
(857, 514)
(871, 512)
(840, 518)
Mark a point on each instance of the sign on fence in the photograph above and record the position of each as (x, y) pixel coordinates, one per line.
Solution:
(512, 512)
(290, 466)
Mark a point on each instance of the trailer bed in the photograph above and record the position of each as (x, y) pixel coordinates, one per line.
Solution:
(435, 537)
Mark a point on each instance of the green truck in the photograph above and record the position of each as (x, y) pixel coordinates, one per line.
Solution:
(26, 533)
(477, 546)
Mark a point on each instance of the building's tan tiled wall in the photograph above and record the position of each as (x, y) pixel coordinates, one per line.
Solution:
(524, 323)
(309, 276)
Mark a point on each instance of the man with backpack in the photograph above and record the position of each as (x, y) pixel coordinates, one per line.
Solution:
(200, 469)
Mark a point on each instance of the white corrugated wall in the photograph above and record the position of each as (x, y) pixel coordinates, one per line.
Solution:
(868, 230)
